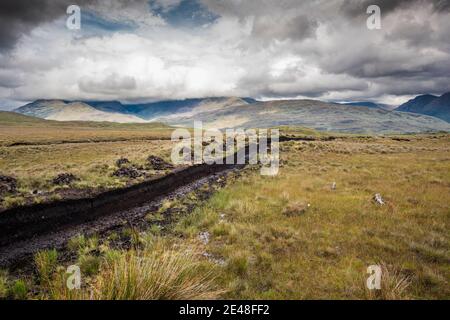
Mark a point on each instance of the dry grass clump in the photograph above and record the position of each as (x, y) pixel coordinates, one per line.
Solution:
(394, 284)
(46, 262)
(295, 209)
(165, 274)
(159, 272)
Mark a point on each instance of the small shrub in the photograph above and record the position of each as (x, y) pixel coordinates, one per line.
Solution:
(19, 290)
(83, 245)
(45, 262)
(155, 229)
(393, 285)
(238, 264)
(76, 243)
(89, 264)
(295, 209)
(221, 229)
(13, 201)
(165, 205)
(3, 284)
(154, 217)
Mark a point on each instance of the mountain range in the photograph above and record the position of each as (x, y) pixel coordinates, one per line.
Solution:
(428, 104)
(75, 111)
(227, 112)
(115, 111)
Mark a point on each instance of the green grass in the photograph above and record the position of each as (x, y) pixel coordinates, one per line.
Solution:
(291, 236)
(46, 262)
(35, 151)
(276, 247)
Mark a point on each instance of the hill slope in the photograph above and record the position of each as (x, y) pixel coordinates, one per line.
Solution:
(367, 104)
(313, 114)
(13, 118)
(429, 105)
(73, 111)
(155, 110)
(115, 111)
(440, 107)
(241, 112)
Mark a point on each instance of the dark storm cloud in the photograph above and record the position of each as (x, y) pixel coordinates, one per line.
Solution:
(358, 7)
(18, 17)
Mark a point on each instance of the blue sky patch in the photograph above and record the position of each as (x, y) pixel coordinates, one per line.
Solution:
(93, 22)
(189, 13)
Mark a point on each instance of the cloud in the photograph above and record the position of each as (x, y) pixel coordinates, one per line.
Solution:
(266, 48)
(112, 83)
(358, 7)
(20, 16)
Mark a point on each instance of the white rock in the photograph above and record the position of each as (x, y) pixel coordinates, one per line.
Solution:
(204, 237)
(378, 199)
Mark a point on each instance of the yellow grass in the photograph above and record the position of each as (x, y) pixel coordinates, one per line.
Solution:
(277, 247)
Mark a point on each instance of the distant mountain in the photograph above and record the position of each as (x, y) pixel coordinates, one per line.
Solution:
(73, 111)
(440, 107)
(108, 106)
(241, 112)
(312, 114)
(416, 105)
(155, 110)
(428, 104)
(116, 111)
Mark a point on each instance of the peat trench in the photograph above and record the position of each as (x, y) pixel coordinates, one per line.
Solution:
(26, 230)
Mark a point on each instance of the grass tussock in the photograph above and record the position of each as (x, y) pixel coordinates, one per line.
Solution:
(162, 274)
(159, 271)
(394, 284)
(46, 263)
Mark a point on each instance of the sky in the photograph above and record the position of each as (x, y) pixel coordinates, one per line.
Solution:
(141, 50)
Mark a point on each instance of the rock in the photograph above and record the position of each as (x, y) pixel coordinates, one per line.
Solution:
(378, 199)
(128, 172)
(157, 163)
(7, 184)
(120, 162)
(64, 179)
(213, 259)
(204, 237)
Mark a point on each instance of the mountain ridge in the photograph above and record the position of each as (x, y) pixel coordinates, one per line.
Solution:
(313, 114)
(98, 110)
(232, 112)
(427, 104)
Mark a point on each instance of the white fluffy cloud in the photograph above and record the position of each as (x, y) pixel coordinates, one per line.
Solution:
(263, 49)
